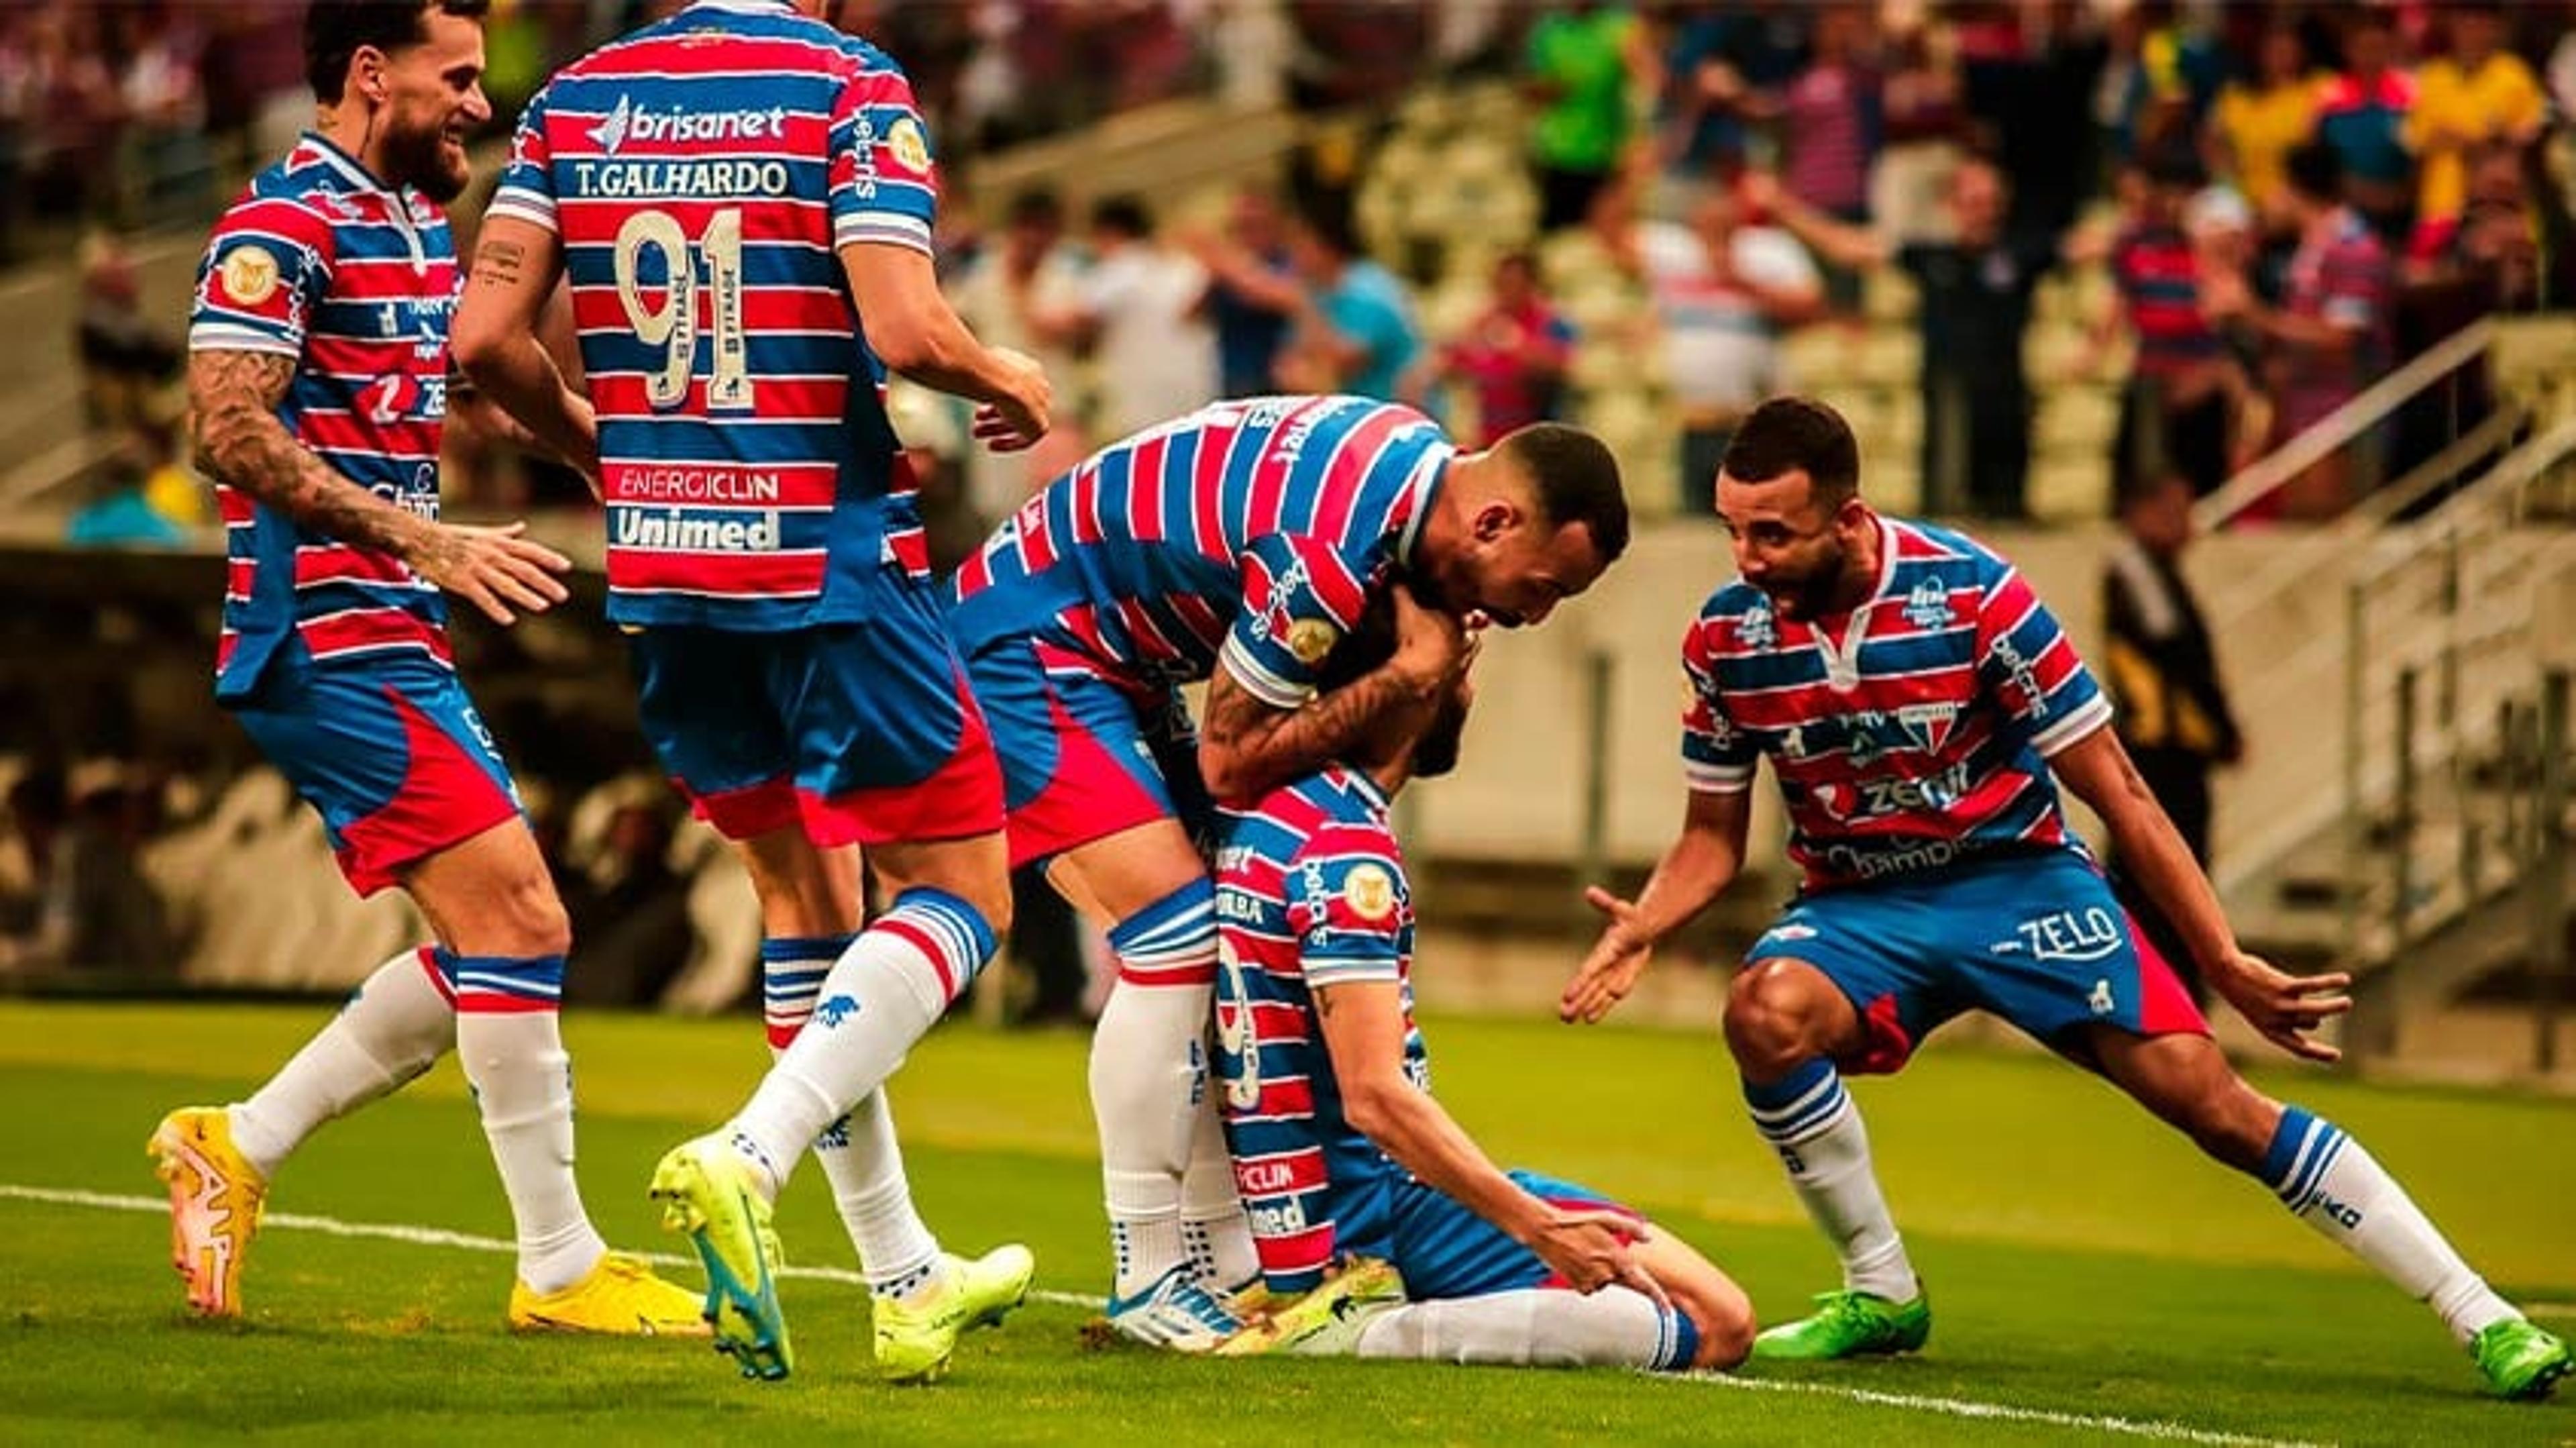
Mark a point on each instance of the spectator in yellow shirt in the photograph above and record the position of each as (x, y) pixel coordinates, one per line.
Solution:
(2256, 124)
(2479, 92)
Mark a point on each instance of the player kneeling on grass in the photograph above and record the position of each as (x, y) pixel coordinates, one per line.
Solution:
(1339, 1149)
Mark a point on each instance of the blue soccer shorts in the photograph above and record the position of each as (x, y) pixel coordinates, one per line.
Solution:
(2035, 938)
(1444, 1250)
(861, 733)
(390, 753)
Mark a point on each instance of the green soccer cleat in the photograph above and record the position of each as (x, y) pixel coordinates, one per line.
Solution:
(916, 1336)
(2522, 1362)
(707, 1191)
(1849, 1324)
(1327, 1321)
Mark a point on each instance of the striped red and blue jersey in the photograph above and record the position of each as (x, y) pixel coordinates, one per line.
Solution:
(1252, 531)
(1310, 893)
(2159, 282)
(1911, 735)
(703, 174)
(319, 261)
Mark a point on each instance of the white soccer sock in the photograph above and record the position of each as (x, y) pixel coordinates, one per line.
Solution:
(1534, 1327)
(1811, 1121)
(859, 1154)
(1149, 1077)
(510, 1042)
(1214, 1231)
(392, 1028)
(2327, 1181)
(885, 993)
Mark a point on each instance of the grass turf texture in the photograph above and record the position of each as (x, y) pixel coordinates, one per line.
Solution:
(2083, 1261)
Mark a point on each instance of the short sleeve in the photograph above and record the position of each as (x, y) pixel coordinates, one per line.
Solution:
(1717, 757)
(527, 191)
(1300, 596)
(1349, 906)
(266, 269)
(884, 186)
(2031, 666)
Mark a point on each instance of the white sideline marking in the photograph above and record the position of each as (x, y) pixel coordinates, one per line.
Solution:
(2155, 1429)
(2158, 1429)
(434, 1236)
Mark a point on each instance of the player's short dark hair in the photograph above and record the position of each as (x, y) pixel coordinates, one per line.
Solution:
(1330, 223)
(336, 30)
(1578, 481)
(1124, 214)
(1796, 434)
(2315, 171)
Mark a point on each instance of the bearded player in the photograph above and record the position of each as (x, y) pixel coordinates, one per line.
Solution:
(1919, 706)
(318, 378)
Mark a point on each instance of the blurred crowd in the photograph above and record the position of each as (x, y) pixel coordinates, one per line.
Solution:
(2287, 201)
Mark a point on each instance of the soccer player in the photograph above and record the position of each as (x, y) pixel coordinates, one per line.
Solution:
(318, 377)
(1341, 1150)
(741, 196)
(1235, 545)
(1915, 700)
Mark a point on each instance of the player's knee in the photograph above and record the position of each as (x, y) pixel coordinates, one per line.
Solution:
(1770, 1017)
(1724, 1319)
(535, 917)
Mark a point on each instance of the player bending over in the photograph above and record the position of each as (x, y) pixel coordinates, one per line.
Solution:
(1342, 1152)
(1915, 700)
(1234, 545)
(318, 376)
(741, 196)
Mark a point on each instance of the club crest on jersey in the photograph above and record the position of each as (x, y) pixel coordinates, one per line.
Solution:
(1310, 639)
(250, 275)
(1930, 724)
(1370, 892)
(1928, 605)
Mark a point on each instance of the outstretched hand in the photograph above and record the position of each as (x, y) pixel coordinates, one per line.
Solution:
(2285, 1007)
(1610, 971)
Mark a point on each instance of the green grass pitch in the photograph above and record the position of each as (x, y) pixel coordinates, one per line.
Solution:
(2094, 1280)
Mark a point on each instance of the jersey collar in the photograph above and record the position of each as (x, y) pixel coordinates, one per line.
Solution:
(349, 167)
(1422, 487)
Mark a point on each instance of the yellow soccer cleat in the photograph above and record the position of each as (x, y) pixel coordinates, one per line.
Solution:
(708, 1193)
(1327, 1321)
(621, 1296)
(215, 1200)
(916, 1336)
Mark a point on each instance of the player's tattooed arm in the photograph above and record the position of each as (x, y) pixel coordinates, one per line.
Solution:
(1249, 746)
(234, 396)
(499, 345)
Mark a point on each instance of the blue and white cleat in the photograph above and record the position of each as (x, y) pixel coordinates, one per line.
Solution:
(707, 1191)
(1176, 1314)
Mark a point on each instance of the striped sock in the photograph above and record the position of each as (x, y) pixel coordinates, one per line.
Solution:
(1149, 1078)
(392, 1028)
(2329, 1182)
(1810, 1120)
(511, 1045)
(858, 1152)
(886, 991)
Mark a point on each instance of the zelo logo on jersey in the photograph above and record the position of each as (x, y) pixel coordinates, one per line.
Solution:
(1370, 892)
(249, 276)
